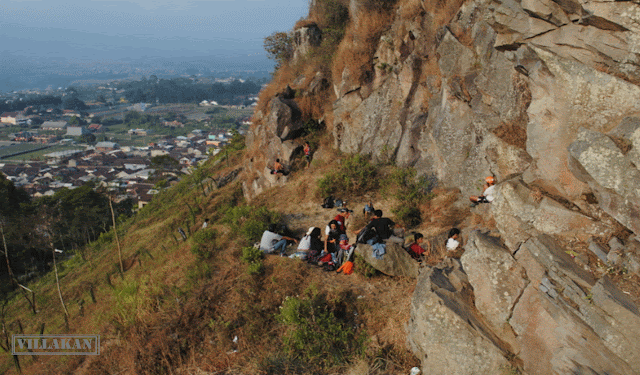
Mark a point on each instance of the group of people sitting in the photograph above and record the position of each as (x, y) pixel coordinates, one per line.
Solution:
(335, 250)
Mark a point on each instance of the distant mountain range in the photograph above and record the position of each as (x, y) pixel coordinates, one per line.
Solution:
(23, 73)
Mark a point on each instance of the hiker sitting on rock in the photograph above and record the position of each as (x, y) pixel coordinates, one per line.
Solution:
(384, 229)
(415, 249)
(278, 168)
(368, 210)
(488, 193)
(343, 248)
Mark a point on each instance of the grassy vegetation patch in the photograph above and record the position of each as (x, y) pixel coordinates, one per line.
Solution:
(363, 268)
(250, 222)
(409, 191)
(355, 175)
(253, 258)
(204, 242)
(133, 301)
(320, 331)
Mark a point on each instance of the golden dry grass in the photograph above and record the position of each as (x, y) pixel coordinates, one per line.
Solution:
(305, 22)
(409, 9)
(359, 44)
(282, 77)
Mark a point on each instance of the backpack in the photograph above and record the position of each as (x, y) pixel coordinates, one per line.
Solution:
(305, 243)
(338, 202)
(328, 202)
(365, 235)
(326, 258)
(329, 267)
(313, 256)
(346, 268)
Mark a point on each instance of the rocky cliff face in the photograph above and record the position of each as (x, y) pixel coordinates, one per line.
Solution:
(543, 95)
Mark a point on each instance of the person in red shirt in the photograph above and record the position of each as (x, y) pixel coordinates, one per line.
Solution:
(415, 250)
(341, 218)
(307, 153)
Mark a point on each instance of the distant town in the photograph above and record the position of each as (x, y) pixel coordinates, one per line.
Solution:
(132, 150)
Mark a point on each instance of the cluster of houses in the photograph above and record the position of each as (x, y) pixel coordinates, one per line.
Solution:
(127, 171)
(23, 119)
(125, 175)
(13, 118)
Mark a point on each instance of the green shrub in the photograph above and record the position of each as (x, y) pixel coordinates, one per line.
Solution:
(409, 216)
(363, 268)
(204, 242)
(279, 47)
(204, 236)
(319, 332)
(410, 192)
(250, 221)
(356, 174)
(255, 268)
(253, 257)
(106, 237)
(251, 254)
(199, 270)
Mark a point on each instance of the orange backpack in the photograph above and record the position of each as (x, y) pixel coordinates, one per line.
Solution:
(346, 268)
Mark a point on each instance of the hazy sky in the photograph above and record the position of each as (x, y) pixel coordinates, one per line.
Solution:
(117, 29)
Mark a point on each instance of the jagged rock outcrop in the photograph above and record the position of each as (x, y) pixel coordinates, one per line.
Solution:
(446, 332)
(304, 39)
(559, 323)
(395, 262)
(273, 138)
(612, 175)
(521, 212)
(538, 309)
(543, 95)
(498, 281)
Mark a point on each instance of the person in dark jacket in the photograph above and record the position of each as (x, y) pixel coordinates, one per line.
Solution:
(316, 245)
(384, 227)
(333, 237)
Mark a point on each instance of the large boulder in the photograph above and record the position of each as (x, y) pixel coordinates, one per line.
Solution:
(613, 176)
(521, 212)
(305, 39)
(395, 262)
(445, 330)
(284, 118)
(498, 280)
(566, 321)
(565, 96)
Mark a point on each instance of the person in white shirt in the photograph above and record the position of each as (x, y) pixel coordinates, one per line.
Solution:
(272, 242)
(488, 193)
(452, 242)
(205, 224)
